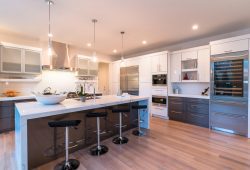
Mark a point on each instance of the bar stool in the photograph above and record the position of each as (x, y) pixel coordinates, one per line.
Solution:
(138, 131)
(98, 149)
(120, 139)
(68, 164)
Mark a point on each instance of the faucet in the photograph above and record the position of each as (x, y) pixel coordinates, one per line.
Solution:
(94, 93)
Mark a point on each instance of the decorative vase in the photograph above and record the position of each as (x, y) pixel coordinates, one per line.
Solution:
(82, 98)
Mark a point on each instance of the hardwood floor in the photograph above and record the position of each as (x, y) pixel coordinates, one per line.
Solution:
(168, 145)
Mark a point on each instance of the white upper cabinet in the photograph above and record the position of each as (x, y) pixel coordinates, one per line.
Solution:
(116, 72)
(145, 69)
(175, 67)
(86, 67)
(189, 55)
(159, 63)
(204, 65)
(20, 59)
(229, 47)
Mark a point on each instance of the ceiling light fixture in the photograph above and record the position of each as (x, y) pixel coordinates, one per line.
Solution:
(195, 27)
(94, 53)
(89, 44)
(144, 42)
(114, 51)
(122, 53)
(51, 51)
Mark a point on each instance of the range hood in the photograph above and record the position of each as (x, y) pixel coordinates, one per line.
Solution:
(60, 59)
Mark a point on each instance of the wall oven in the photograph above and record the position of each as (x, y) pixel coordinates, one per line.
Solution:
(229, 92)
(159, 101)
(159, 80)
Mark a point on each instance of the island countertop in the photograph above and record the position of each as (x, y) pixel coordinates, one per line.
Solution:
(32, 110)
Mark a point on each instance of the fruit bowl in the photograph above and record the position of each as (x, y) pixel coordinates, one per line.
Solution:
(11, 93)
(50, 99)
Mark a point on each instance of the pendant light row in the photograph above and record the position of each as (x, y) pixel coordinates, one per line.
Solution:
(94, 21)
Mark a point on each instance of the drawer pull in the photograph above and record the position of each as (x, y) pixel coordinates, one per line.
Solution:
(176, 112)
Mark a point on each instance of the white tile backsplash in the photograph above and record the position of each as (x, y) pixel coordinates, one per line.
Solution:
(190, 88)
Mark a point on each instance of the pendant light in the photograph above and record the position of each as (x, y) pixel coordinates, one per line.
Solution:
(94, 52)
(122, 53)
(51, 51)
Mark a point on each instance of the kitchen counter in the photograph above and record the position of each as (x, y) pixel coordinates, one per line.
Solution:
(31, 121)
(17, 98)
(190, 96)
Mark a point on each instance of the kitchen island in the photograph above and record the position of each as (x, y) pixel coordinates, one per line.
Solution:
(37, 143)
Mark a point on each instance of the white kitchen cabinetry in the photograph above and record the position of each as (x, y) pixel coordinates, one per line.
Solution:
(20, 59)
(229, 47)
(116, 72)
(204, 65)
(159, 63)
(175, 65)
(86, 67)
(145, 74)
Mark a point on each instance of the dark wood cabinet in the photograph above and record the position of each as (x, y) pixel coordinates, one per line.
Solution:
(7, 114)
(189, 110)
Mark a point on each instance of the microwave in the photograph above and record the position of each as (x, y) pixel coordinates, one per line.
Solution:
(159, 80)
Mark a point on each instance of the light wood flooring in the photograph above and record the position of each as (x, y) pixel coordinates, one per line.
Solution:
(168, 145)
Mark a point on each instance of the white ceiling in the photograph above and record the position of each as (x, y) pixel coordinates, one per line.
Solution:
(160, 22)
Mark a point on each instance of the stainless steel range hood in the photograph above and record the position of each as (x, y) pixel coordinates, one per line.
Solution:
(60, 59)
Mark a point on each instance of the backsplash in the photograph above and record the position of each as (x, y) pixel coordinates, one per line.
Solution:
(190, 88)
(57, 80)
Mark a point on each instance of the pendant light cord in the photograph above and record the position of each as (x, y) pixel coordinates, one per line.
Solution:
(122, 57)
(94, 21)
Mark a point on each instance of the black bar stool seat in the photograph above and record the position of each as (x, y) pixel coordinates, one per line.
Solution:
(139, 107)
(98, 149)
(64, 123)
(138, 131)
(120, 139)
(68, 164)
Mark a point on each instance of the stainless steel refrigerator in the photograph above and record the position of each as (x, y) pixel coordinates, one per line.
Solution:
(129, 80)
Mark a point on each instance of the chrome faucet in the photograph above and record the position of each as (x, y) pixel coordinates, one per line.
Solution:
(94, 93)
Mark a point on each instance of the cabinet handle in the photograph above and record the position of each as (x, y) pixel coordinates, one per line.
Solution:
(175, 112)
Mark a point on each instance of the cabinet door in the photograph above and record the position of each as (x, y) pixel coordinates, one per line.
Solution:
(176, 109)
(190, 55)
(11, 60)
(155, 64)
(116, 72)
(145, 74)
(204, 65)
(93, 68)
(32, 62)
(175, 64)
(229, 47)
(83, 65)
(115, 88)
(163, 63)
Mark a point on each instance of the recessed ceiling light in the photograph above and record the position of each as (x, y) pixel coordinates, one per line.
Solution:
(195, 27)
(89, 44)
(114, 51)
(50, 35)
(144, 42)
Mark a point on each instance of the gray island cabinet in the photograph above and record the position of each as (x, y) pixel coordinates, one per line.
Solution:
(37, 143)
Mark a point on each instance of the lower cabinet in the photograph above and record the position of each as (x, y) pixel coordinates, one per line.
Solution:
(189, 110)
(7, 114)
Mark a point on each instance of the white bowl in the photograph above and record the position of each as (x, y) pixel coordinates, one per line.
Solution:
(50, 99)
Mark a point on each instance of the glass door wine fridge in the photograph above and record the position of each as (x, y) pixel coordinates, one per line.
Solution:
(229, 92)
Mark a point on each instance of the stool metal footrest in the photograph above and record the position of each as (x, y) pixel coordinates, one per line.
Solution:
(138, 133)
(120, 140)
(72, 164)
(96, 151)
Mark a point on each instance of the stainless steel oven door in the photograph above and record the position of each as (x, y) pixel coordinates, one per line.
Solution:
(159, 101)
(229, 76)
(159, 80)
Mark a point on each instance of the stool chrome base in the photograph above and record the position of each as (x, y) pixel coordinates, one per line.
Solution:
(73, 164)
(96, 151)
(138, 133)
(120, 140)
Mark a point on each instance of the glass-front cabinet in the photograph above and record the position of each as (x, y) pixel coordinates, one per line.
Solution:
(86, 67)
(189, 70)
(20, 59)
(11, 60)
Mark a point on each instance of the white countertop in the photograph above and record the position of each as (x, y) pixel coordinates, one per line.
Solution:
(190, 96)
(31, 110)
(17, 98)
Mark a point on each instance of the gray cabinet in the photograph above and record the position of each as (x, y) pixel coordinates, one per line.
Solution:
(189, 110)
(7, 114)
